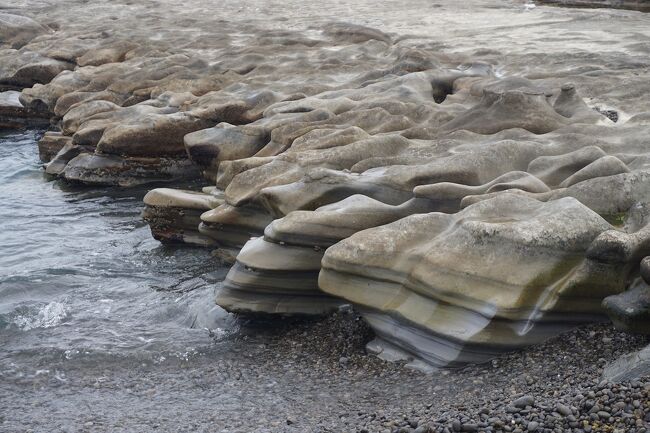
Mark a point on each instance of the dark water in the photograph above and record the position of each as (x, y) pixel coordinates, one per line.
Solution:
(634, 5)
(81, 278)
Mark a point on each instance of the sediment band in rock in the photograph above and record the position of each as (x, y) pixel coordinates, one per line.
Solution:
(453, 289)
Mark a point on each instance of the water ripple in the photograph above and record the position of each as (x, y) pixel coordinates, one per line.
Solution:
(80, 275)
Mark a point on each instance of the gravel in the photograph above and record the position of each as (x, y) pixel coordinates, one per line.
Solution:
(314, 376)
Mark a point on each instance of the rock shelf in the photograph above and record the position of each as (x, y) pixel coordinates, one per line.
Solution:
(468, 197)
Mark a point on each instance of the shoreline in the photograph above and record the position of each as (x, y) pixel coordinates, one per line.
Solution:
(315, 376)
(495, 138)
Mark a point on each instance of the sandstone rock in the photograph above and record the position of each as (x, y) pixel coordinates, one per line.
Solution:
(17, 30)
(50, 144)
(602, 167)
(224, 142)
(326, 139)
(511, 109)
(58, 163)
(355, 33)
(436, 285)
(14, 115)
(289, 256)
(174, 215)
(232, 226)
(275, 279)
(26, 68)
(93, 169)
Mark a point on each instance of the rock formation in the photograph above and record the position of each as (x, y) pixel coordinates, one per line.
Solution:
(467, 201)
(502, 273)
(174, 215)
(630, 311)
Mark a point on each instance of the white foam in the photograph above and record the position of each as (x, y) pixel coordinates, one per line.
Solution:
(48, 316)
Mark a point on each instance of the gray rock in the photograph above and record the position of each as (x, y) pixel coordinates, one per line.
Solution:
(645, 269)
(630, 310)
(563, 409)
(628, 367)
(522, 402)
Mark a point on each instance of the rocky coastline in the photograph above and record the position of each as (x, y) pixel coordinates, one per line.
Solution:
(467, 196)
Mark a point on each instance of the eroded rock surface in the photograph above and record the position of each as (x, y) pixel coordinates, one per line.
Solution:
(14, 115)
(174, 215)
(452, 289)
(469, 191)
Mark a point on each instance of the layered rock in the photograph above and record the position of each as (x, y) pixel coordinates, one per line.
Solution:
(363, 146)
(429, 175)
(278, 274)
(13, 115)
(543, 153)
(50, 144)
(174, 215)
(452, 289)
(272, 278)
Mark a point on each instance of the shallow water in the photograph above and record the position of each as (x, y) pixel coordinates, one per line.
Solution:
(82, 279)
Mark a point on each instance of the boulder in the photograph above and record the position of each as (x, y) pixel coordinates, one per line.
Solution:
(630, 310)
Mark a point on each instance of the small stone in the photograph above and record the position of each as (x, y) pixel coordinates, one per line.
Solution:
(524, 401)
(563, 409)
(533, 426)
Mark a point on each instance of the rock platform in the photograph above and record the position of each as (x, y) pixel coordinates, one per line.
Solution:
(471, 186)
